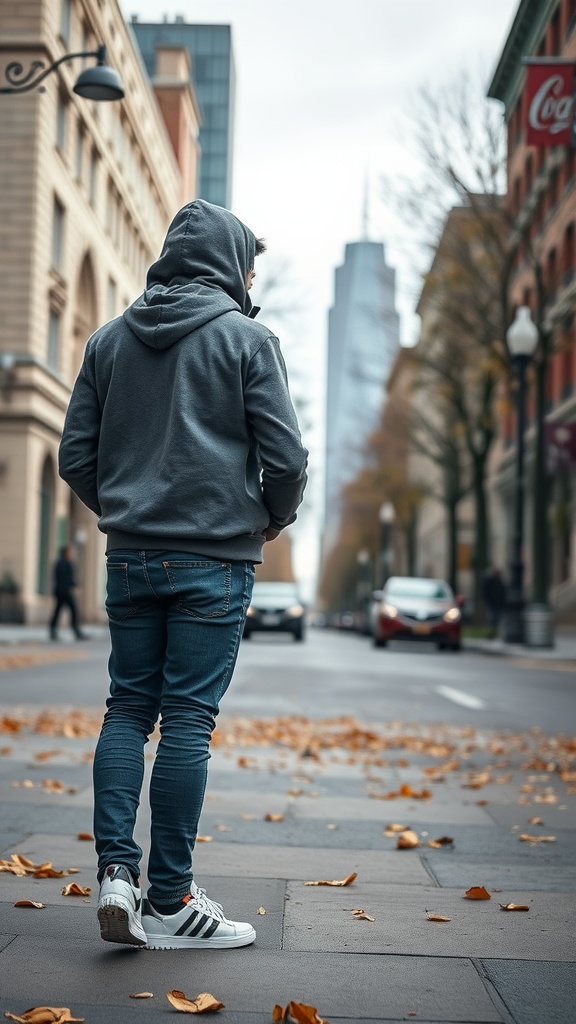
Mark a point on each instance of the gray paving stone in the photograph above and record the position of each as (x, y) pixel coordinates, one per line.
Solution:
(63, 850)
(445, 809)
(540, 993)
(305, 863)
(357, 987)
(552, 815)
(491, 844)
(524, 877)
(319, 918)
(5, 941)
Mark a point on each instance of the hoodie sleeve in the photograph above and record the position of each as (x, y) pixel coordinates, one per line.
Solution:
(274, 424)
(78, 453)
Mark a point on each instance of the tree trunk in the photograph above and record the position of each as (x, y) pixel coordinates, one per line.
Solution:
(481, 528)
(452, 545)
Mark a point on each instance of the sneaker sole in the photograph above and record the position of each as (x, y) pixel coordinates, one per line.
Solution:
(189, 942)
(115, 927)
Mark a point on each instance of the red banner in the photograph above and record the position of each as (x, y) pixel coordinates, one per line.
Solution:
(550, 103)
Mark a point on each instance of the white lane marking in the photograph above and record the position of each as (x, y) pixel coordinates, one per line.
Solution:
(459, 697)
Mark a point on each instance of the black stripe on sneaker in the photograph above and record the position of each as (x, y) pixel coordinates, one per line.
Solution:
(211, 929)
(200, 925)
(189, 921)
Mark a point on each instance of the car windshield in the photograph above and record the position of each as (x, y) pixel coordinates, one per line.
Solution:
(275, 590)
(414, 588)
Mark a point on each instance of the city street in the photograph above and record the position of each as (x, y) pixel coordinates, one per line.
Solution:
(321, 747)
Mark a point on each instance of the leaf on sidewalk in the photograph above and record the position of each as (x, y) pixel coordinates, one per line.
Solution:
(53, 785)
(273, 817)
(85, 837)
(203, 1003)
(261, 911)
(514, 906)
(535, 821)
(361, 915)
(44, 755)
(345, 881)
(141, 995)
(204, 839)
(524, 838)
(436, 917)
(279, 1013)
(407, 840)
(301, 1013)
(477, 892)
(393, 828)
(442, 841)
(47, 871)
(73, 889)
(30, 903)
(44, 1015)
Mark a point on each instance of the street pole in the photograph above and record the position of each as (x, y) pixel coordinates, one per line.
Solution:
(514, 632)
(386, 514)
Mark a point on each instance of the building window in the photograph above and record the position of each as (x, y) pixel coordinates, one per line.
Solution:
(112, 298)
(61, 123)
(53, 339)
(45, 527)
(57, 234)
(65, 19)
(80, 141)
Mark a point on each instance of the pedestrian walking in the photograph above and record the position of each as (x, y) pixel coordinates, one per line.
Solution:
(494, 592)
(182, 437)
(64, 585)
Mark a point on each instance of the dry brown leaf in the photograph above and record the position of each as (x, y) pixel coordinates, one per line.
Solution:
(53, 785)
(442, 841)
(86, 837)
(279, 1013)
(47, 871)
(345, 881)
(204, 839)
(44, 1015)
(514, 906)
(436, 917)
(203, 1003)
(261, 911)
(535, 821)
(477, 892)
(524, 838)
(223, 828)
(30, 903)
(273, 817)
(303, 1014)
(361, 915)
(73, 889)
(141, 995)
(395, 828)
(44, 755)
(407, 840)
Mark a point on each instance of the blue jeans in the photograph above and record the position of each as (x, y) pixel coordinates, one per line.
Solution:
(176, 620)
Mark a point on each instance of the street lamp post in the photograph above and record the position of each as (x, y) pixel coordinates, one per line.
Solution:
(522, 338)
(100, 83)
(387, 515)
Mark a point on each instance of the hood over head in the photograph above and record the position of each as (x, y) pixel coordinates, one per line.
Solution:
(200, 273)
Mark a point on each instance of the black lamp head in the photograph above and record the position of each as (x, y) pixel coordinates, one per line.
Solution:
(99, 83)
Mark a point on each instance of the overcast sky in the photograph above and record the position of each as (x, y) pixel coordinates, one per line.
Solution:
(321, 89)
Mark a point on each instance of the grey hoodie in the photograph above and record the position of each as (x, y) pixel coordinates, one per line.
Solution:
(180, 433)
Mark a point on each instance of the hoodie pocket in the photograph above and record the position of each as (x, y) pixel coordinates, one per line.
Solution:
(201, 588)
(119, 603)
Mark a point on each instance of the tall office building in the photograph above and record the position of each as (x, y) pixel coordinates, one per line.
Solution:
(213, 77)
(363, 337)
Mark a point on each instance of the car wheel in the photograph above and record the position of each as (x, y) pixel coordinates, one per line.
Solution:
(456, 647)
(299, 636)
(379, 642)
(441, 646)
(246, 636)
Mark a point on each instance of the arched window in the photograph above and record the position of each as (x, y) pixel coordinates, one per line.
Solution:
(45, 525)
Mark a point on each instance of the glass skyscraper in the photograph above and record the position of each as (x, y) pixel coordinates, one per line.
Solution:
(213, 77)
(363, 338)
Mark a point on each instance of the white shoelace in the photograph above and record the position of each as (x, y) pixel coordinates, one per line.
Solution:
(202, 901)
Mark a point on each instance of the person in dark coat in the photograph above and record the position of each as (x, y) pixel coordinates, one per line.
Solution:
(64, 584)
(495, 598)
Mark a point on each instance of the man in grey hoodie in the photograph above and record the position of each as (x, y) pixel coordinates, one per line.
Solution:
(182, 437)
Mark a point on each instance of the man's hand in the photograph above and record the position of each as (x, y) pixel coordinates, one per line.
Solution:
(270, 533)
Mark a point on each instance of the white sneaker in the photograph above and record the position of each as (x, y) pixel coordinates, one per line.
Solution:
(199, 925)
(119, 905)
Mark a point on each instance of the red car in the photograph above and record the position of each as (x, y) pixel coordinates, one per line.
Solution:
(414, 608)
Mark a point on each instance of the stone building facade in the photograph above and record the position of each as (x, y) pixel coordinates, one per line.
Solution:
(87, 190)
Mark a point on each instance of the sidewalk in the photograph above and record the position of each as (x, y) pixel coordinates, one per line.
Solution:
(335, 787)
(564, 648)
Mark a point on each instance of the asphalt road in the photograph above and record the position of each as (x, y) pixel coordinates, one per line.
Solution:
(334, 673)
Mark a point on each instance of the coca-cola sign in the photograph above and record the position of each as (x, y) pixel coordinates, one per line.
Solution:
(550, 104)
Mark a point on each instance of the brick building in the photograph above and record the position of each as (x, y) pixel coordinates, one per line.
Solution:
(86, 192)
(541, 202)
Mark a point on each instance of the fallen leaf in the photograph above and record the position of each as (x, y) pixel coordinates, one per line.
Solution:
(304, 1014)
(536, 839)
(201, 1004)
(361, 915)
(30, 903)
(261, 911)
(273, 817)
(204, 839)
(47, 871)
(141, 995)
(247, 817)
(44, 755)
(44, 1015)
(223, 828)
(477, 892)
(514, 906)
(442, 841)
(535, 821)
(436, 917)
(85, 837)
(73, 871)
(73, 889)
(407, 840)
(345, 881)
(279, 1013)
(53, 785)
(395, 828)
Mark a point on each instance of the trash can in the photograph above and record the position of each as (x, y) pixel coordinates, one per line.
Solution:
(538, 626)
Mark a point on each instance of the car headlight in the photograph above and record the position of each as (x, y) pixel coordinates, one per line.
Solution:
(250, 612)
(452, 615)
(390, 611)
(294, 611)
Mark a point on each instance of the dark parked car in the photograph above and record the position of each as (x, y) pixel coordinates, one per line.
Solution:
(414, 608)
(275, 607)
